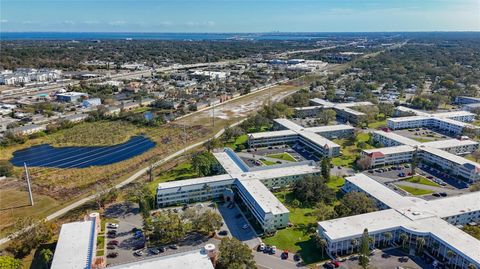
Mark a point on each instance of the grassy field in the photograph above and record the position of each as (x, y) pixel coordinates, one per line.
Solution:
(298, 237)
(100, 245)
(350, 152)
(265, 162)
(283, 156)
(181, 171)
(414, 191)
(422, 180)
(336, 182)
(377, 124)
(241, 140)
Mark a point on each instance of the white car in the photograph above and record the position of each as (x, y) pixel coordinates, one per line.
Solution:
(262, 247)
(245, 226)
(112, 225)
(138, 253)
(274, 249)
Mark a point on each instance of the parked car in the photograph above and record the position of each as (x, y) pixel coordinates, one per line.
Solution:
(162, 249)
(443, 194)
(329, 265)
(138, 253)
(436, 194)
(223, 232)
(110, 247)
(112, 255)
(261, 247)
(173, 246)
(154, 251)
(113, 243)
(284, 255)
(296, 257)
(273, 250)
(335, 263)
(401, 174)
(112, 232)
(267, 249)
(112, 225)
(112, 235)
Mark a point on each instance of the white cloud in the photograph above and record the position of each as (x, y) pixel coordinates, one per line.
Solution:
(69, 22)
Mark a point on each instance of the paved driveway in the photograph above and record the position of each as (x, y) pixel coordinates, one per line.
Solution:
(234, 224)
(393, 259)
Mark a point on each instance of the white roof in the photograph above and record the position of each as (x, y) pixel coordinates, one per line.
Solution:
(290, 125)
(441, 144)
(74, 247)
(391, 150)
(455, 205)
(272, 134)
(409, 118)
(414, 111)
(449, 156)
(330, 128)
(399, 138)
(263, 197)
(318, 139)
(192, 260)
(227, 163)
(195, 181)
(451, 114)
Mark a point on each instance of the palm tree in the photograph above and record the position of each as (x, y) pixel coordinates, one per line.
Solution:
(46, 256)
(354, 244)
(404, 238)
(387, 237)
(320, 242)
(450, 255)
(420, 244)
(436, 247)
(472, 266)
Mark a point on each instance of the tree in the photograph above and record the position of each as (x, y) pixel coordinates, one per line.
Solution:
(404, 240)
(354, 203)
(204, 163)
(6, 168)
(323, 212)
(313, 189)
(320, 242)
(451, 255)
(212, 144)
(471, 266)
(295, 204)
(168, 228)
(325, 166)
(386, 109)
(234, 254)
(46, 256)
(326, 116)
(388, 237)
(35, 233)
(9, 262)
(364, 162)
(420, 244)
(208, 222)
(354, 244)
(364, 249)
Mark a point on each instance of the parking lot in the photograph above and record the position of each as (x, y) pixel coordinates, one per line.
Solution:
(129, 217)
(392, 259)
(397, 174)
(252, 156)
(235, 222)
(423, 134)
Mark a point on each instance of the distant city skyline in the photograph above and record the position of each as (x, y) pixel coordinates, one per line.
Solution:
(231, 16)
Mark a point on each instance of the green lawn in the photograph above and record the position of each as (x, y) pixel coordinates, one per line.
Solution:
(414, 191)
(265, 162)
(241, 140)
(378, 124)
(298, 237)
(422, 180)
(100, 245)
(350, 151)
(283, 156)
(336, 182)
(179, 172)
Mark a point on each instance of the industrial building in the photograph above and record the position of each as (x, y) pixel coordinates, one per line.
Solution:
(435, 221)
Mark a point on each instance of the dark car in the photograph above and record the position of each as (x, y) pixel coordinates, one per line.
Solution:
(112, 255)
(296, 257)
(113, 242)
(173, 246)
(284, 255)
(267, 249)
(137, 247)
(223, 232)
(443, 194)
(154, 251)
(112, 235)
(329, 265)
(112, 232)
(110, 247)
(162, 249)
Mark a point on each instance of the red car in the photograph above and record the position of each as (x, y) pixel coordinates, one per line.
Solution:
(112, 243)
(335, 263)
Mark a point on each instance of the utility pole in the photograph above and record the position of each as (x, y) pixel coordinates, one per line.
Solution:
(213, 115)
(28, 183)
(184, 139)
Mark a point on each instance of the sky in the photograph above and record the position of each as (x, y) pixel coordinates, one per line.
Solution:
(238, 15)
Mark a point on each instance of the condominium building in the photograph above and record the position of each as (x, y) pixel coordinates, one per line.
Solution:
(434, 221)
(248, 186)
(463, 100)
(315, 138)
(454, 122)
(344, 111)
(442, 154)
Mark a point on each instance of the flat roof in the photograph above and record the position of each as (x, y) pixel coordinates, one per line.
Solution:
(330, 128)
(441, 144)
(272, 134)
(391, 150)
(399, 138)
(409, 118)
(194, 181)
(318, 139)
(450, 114)
(196, 259)
(449, 156)
(414, 111)
(263, 197)
(227, 163)
(290, 125)
(74, 247)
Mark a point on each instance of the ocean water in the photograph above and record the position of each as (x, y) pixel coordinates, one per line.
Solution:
(159, 36)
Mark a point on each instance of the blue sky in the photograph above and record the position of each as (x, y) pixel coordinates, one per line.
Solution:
(239, 15)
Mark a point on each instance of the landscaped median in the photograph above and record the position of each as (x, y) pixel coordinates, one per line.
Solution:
(414, 191)
(282, 156)
(422, 180)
